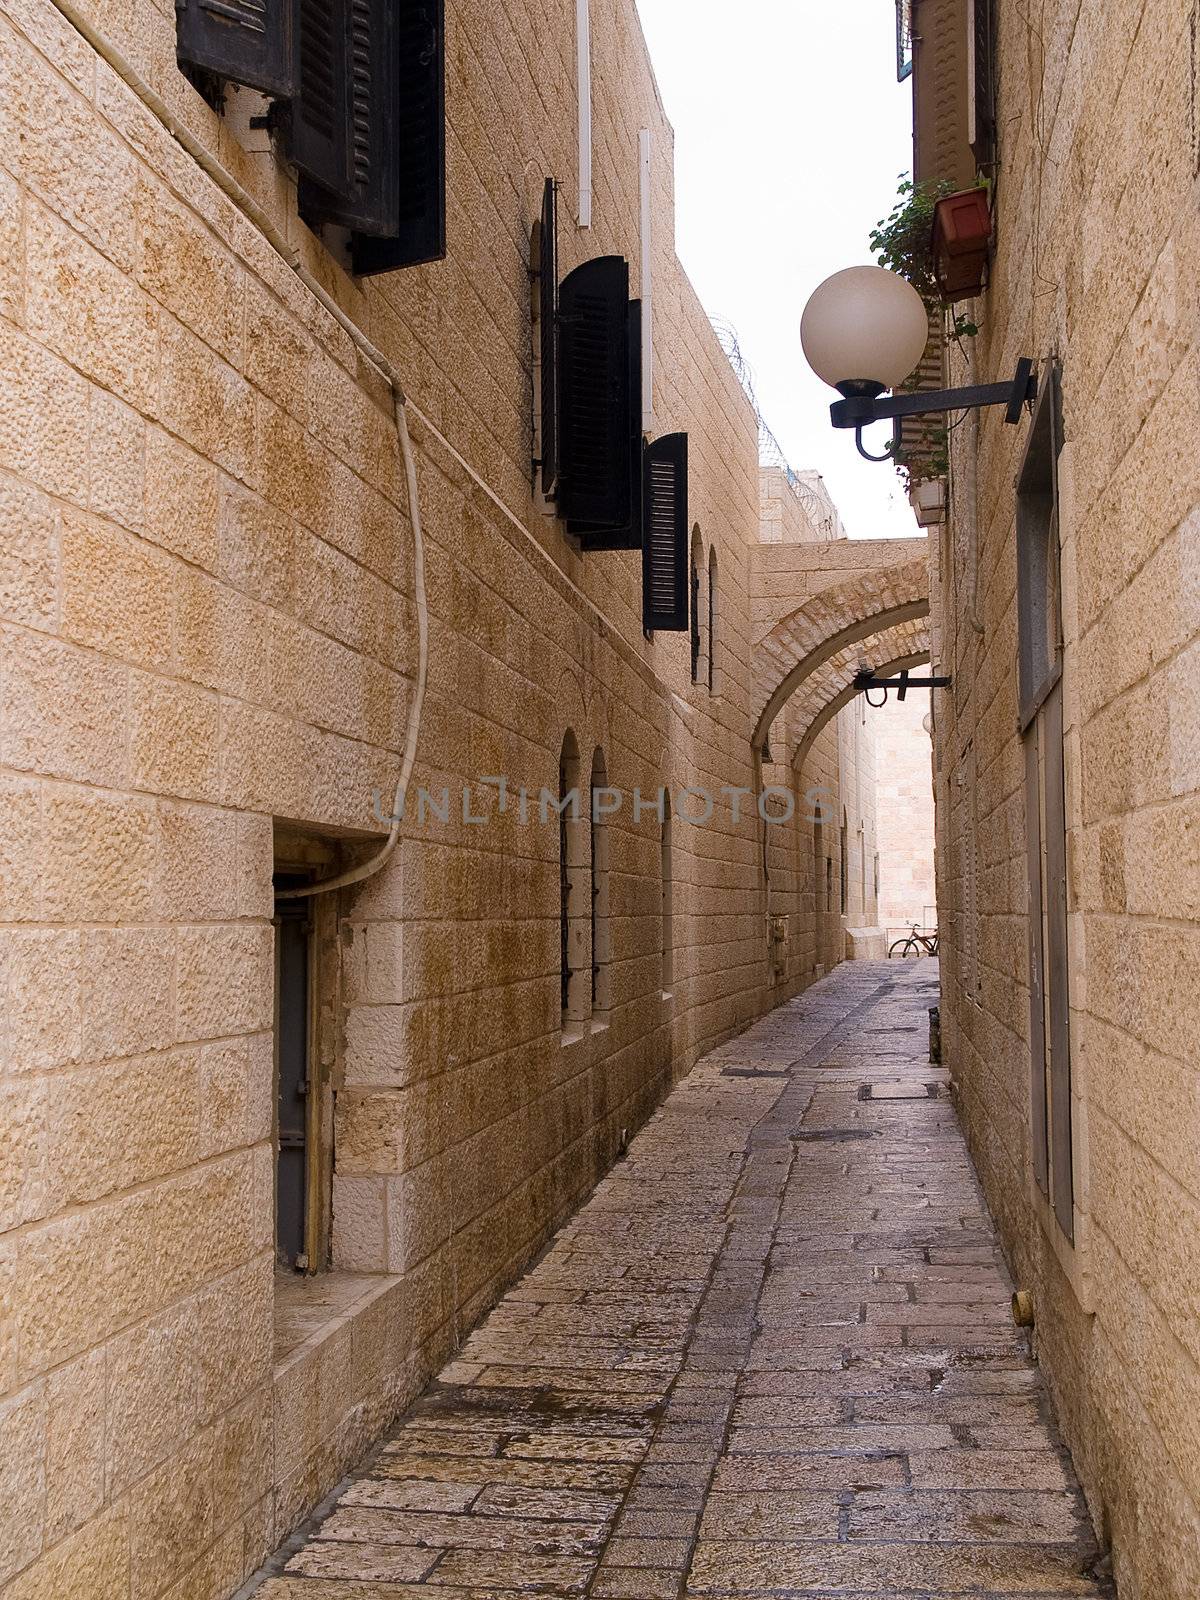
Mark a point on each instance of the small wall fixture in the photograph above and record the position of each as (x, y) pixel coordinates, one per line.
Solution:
(865, 681)
(864, 331)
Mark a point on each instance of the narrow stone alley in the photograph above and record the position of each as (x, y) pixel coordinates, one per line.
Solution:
(773, 1355)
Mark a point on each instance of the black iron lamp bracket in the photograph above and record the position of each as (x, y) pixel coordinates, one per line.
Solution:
(866, 680)
(861, 404)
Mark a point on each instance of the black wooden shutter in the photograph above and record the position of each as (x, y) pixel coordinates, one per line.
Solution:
(629, 535)
(548, 328)
(319, 125)
(418, 150)
(370, 199)
(247, 41)
(594, 467)
(665, 545)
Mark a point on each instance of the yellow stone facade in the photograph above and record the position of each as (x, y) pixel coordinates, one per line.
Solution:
(207, 654)
(1096, 250)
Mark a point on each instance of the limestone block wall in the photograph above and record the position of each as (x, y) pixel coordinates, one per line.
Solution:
(1097, 250)
(904, 789)
(206, 660)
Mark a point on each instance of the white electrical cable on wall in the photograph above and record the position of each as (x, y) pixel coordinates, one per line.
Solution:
(250, 208)
(372, 864)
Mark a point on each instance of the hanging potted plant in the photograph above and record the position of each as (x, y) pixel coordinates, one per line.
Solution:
(904, 243)
(960, 240)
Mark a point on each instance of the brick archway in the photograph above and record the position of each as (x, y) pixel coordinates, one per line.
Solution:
(827, 627)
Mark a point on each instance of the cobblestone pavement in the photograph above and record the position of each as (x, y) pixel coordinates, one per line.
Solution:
(772, 1356)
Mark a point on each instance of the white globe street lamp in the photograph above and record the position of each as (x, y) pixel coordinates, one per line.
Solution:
(864, 331)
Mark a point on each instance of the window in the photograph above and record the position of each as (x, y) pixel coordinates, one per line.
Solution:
(293, 1012)
(694, 609)
(574, 917)
(1040, 657)
(667, 910)
(829, 883)
(712, 621)
(359, 100)
(600, 936)
(981, 81)
(845, 865)
(818, 862)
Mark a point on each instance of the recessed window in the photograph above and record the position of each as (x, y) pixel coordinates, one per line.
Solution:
(574, 878)
(600, 930)
(712, 622)
(667, 910)
(697, 564)
(1040, 656)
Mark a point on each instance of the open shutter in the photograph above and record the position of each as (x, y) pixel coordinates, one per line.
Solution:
(247, 41)
(548, 327)
(417, 154)
(629, 535)
(370, 201)
(665, 545)
(319, 126)
(594, 407)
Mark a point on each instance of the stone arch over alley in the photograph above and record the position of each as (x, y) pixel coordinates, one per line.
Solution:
(862, 594)
(824, 608)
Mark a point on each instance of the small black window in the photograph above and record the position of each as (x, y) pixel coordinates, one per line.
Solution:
(665, 536)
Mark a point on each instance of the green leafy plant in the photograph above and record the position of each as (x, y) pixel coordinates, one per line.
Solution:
(903, 243)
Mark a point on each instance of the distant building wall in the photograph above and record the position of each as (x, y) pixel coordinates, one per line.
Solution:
(904, 818)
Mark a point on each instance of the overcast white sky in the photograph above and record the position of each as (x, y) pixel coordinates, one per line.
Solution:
(790, 132)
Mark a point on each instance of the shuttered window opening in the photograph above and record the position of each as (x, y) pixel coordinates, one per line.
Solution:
(318, 128)
(546, 258)
(249, 41)
(595, 489)
(415, 153)
(665, 535)
(362, 91)
(1040, 658)
(629, 535)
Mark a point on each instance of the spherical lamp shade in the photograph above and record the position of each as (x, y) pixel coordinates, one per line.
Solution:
(864, 327)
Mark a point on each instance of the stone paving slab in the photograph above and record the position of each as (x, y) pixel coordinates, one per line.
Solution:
(772, 1356)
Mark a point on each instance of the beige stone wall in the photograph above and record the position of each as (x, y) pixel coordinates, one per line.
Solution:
(904, 790)
(1098, 246)
(206, 659)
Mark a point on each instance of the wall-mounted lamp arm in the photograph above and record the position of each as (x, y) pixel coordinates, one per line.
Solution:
(859, 410)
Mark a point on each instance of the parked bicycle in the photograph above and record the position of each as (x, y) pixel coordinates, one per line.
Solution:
(915, 943)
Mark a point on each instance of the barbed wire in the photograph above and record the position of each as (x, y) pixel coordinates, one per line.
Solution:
(770, 451)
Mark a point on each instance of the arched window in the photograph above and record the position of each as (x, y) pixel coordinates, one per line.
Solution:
(601, 993)
(818, 863)
(712, 621)
(694, 607)
(845, 875)
(667, 914)
(574, 921)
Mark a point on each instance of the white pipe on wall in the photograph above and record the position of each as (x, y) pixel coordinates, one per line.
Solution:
(583, 44)
(645, 150)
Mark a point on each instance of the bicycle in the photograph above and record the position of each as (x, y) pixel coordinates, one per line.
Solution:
(914, 943)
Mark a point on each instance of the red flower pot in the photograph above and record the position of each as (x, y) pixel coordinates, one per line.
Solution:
(962, 233)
